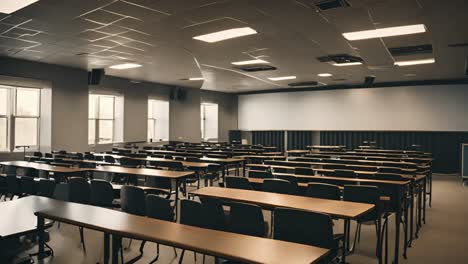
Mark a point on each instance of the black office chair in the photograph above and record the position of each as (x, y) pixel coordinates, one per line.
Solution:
(344, 173)
(193, 159)
(215, 216)
(89, 156)
(102, 194)
(46, 188)
(13, 186)
(133, 201)
(37, 154)
(389, 176)
(277, 186)
(191, 213)
(237, 183)
(247, 219)
(260, 174)
(79, 192)
(212, 173)
(28, 186)
(293, 181)
(323, 191)
(364, 194)
(390, 170)
(307, 228)
(109, 159)
(304, 171)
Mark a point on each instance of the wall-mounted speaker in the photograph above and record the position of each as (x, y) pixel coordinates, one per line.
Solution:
(369, 81)
(178, 94)
(94, 76)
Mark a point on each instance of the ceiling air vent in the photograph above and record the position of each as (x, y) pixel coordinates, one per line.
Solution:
(411, 50)
(257, 68)
(331, 4)
(310, 83)
(340, 58)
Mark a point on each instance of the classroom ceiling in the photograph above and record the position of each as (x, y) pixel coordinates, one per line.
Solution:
(292, 35)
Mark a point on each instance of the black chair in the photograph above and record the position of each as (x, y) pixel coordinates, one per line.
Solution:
(133, 201)
(247, 219)
(237, 183)
(61, 192)
(191, 213)
(344, 173)
(390, 170)
(28, 186)
(102, 194)
(89, 156)
(293, 181)
(260, 174)
(307, 228)
(37, 154)
(13, 186)
(277, 186)
(389, 176)
(109, 159)
(214, 216)
(304, 171)
(79, 192)
(193, 159)
(46, 188)
(323, 191)
(364, 194)
(212, 173)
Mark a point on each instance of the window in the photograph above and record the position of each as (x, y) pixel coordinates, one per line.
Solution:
(101, 119)
(158, 120)
(209, 121)
(19, 117)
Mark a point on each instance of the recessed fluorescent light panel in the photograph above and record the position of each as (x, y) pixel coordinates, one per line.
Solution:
(385, 32)
(196, 79)
(324, 75)
(282, 78)
(249, 62)
(414, 62)
(125, 66)
(10, 6)
(347, 63)
(226, 34)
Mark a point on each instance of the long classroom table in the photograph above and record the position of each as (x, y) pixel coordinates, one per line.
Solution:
(237, 247)
(270, 201)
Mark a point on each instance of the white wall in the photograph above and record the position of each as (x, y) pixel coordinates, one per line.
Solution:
(418, 108)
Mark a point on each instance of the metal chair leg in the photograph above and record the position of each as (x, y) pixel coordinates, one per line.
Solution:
(157, 254)
(182, 256)
(82, 238)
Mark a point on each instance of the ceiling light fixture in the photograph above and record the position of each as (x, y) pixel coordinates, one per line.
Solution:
(226, 34)
(196, 79)
(10, 6)
(385, 32)
(125, 66)
(414, 62)
(248, 62)
(282, 78)
(347, 63)
(324, 75)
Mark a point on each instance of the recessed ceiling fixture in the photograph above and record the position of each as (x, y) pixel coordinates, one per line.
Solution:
(282, 78)
(324, 75)
(125, 66)
(196, 79)
(226, 34)
(10, 6)
(347, 63)
(414, 62)
(248, 62)
(385, 32)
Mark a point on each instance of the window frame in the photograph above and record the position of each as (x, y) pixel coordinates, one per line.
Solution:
(97, 119)
(155, 120)
(203, 120)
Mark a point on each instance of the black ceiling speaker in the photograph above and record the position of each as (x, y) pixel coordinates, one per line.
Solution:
(178, 94)
(94, 76)
(369, 81)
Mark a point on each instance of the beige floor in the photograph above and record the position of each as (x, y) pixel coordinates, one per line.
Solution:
(444, 239)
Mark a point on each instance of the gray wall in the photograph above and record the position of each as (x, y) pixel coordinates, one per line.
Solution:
(70, 105)
(416, 108)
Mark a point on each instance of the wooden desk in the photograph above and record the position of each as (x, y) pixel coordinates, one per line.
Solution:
(297, 152)
(18, 215)
(224, 162)
(270, 201)
(232, 246)
(57, 170)
(178, 177)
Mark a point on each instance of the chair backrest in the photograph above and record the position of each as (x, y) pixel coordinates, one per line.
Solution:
(89, 156)
(157, 182)
(246, 219)
(390, 170)
(303, 227)
(323, 191)
(102, 193)
(46, 188)
(79, 190)
(28, 186)
(260, 174)
(277, 186)
(109, 159)
(304, 171)
(293, 181)
(159, 208)
(129, 163)
(132, 200)
(388, 176)
(193, 159)
(13, 185)
(48, 155)
(61, 192)
(237, 183)
(344, 173)
(191, 213)
(363, 194)
(213, 216)
(37, 154)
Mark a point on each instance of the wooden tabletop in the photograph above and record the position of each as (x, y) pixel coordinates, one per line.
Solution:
(43, 167)
(261, 157)
(18, 215)
(232, 246)
(223, 160)
(298, 151)
(343, 179)
(269, 200)
(312, 163)
(188, 164)
(144, 172)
